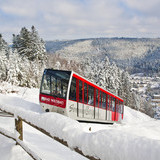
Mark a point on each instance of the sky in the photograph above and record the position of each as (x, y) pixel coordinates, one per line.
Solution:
(75, 19)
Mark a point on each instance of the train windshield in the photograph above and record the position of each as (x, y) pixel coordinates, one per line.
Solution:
(55, 83)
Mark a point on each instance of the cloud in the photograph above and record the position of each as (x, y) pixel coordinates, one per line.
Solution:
(143, 5)
(64, 19)
(19, 8)
(151, 8)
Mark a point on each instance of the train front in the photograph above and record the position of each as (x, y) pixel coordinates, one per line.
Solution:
(53, 90)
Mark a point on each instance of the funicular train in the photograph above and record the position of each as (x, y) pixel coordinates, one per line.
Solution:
(70, 94)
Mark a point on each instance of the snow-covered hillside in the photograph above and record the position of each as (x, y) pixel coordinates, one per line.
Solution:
(138, 137)
(132, 54)
(119, 48)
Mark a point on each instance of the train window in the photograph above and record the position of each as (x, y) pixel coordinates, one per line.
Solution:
(100, 99)
(106, 102)
(90, 95)
(80, 90)
(109, 102)
(121, 104)
(97, 92)
(46, 84)
(59, 88)
(122, 107)
(72, 94)
(85, 93)
(53, 85)
(103, 100)
(117, 105)
(113, 104)
(64, 89)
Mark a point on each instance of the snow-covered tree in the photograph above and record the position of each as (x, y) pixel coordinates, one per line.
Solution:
(38, 45)
(57, 65)
(13, 65)
(126, 88)
(29, 44)
(29, 50)
(110, 77)
(4, 53)
(104, 73)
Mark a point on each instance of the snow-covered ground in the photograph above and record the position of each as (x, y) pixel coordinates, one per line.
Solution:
(138, 137)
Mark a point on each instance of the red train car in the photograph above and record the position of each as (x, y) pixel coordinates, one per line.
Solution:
(70, 94)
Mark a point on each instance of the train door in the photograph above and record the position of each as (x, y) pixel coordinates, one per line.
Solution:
(102, 106)
(113, 110)
(80, 96)
(122, 111)
(116, 113)
(73, 100)
(117, 110)
(107, 96)
(89, 101)
(109, 108)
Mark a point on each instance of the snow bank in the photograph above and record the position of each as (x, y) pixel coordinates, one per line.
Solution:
(24, 93)
(133, 116)
(10, 151)
(136, 138)
(110, 143)
(18, 102)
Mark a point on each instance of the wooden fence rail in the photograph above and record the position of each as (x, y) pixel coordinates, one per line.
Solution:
(19, 129)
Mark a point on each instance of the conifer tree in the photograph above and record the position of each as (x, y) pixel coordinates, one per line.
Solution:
(4, 53)
(13, 65)
(38, 45)
(30, 45)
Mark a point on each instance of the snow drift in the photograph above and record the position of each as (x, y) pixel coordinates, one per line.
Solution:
(136, 138)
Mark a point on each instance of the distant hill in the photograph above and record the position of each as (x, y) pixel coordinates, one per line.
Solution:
(53, 46)
(133, 54)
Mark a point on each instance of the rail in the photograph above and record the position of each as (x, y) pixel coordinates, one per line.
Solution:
(19, 129)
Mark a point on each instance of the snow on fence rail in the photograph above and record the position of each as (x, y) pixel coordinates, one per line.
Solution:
(117, 142)
(36, 122)
(18, 137)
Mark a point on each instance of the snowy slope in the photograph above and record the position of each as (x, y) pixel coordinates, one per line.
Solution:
(138, 137)
(127, 53)
(45, 147)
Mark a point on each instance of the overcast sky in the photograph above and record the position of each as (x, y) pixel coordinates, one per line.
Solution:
(74, 19)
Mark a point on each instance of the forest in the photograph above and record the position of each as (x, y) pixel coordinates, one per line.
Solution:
(23, 62)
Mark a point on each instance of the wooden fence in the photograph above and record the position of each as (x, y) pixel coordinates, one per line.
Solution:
(19, 128)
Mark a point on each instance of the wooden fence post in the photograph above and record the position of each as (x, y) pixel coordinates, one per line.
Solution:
(19, 127)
